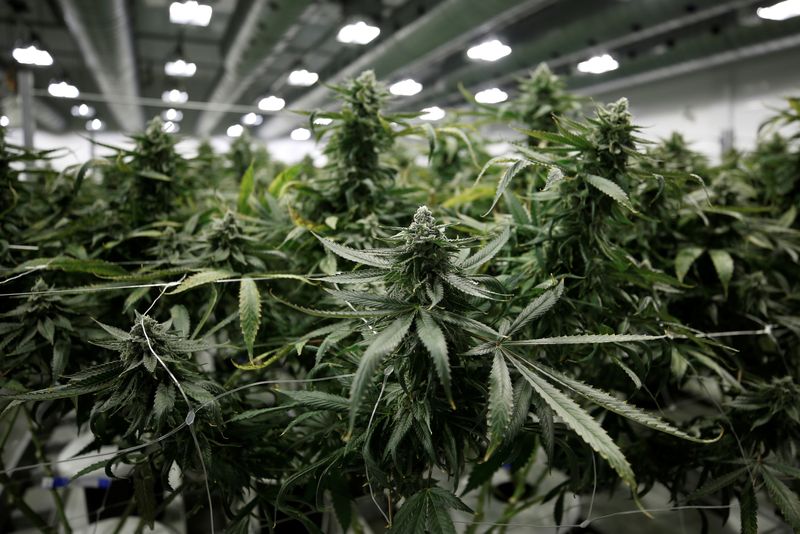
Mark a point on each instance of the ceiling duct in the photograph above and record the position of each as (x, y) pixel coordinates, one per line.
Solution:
(263, 27)
(450, 23)
(105, 38)
(613, 27)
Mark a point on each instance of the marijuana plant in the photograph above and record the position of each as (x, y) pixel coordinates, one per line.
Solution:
(425, 331)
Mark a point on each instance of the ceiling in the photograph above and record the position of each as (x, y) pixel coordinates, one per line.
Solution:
(114, 50)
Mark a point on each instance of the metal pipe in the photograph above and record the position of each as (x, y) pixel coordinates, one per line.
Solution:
(25, 83)
(111, 60)
(450, 24)
(220, 107)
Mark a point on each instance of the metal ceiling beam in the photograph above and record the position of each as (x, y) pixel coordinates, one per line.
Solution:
(105, 38)
(702, 63)
(262, 33)
(612, 28)
(450, 24)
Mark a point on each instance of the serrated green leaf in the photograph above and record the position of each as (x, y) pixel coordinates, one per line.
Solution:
(470, 287)
(336, 314)
(514, 169)
(47, 329)
(537, 308)
(412, 517)
(431, 335)
(581, 423)
(610, 189)
(249, 312)
(518, 212)
(785, 499)
(354, 255)
(381, 345)
(61, 351)
(364, 276)
(201, 278)
(585, 339)
(245, 190)
(164, 400)
(501, 403)
(97, 267)
(684, 260)
(613, 404)
(319, 400)
(180, 319)
(488, 252)
(723, 264)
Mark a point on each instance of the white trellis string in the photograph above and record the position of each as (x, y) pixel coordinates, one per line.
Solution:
(25, 273)
(93, 289)
(190, 417)
(369, 424)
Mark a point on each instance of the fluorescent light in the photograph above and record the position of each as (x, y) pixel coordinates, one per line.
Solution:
(303, 78)
(598, 64)
(172, 115)
(94, 125)
(271, 103)
(63, 90)
(190, 12)
(489, 51)
(780, 11)
(235, 130)
(358, 33)
(82, 111)
(252, 119)
(175, 96)
(434, 113)
(180, 68)
(4, 121)
(32, 56)
(491, 96)
(322, 121)
(170, 127)
(406, 87)
(301, 134)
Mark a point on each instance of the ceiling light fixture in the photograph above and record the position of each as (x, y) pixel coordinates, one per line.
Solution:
(491, 96)
(170, 127)
(175, 96)
(322, 121)
(489, 51)
(32, 55)
(235, 130)
(271, 103)
(598, 64)
(406, 87)
(63, 90)
(252, 119)
(4, 121)
(359, 33)
(303, 78)
(180, 68)
(300, 134)
(780, 11)
(82, 111)
(190, 13)
(95, 125)
(434, 113)
(172, 115)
